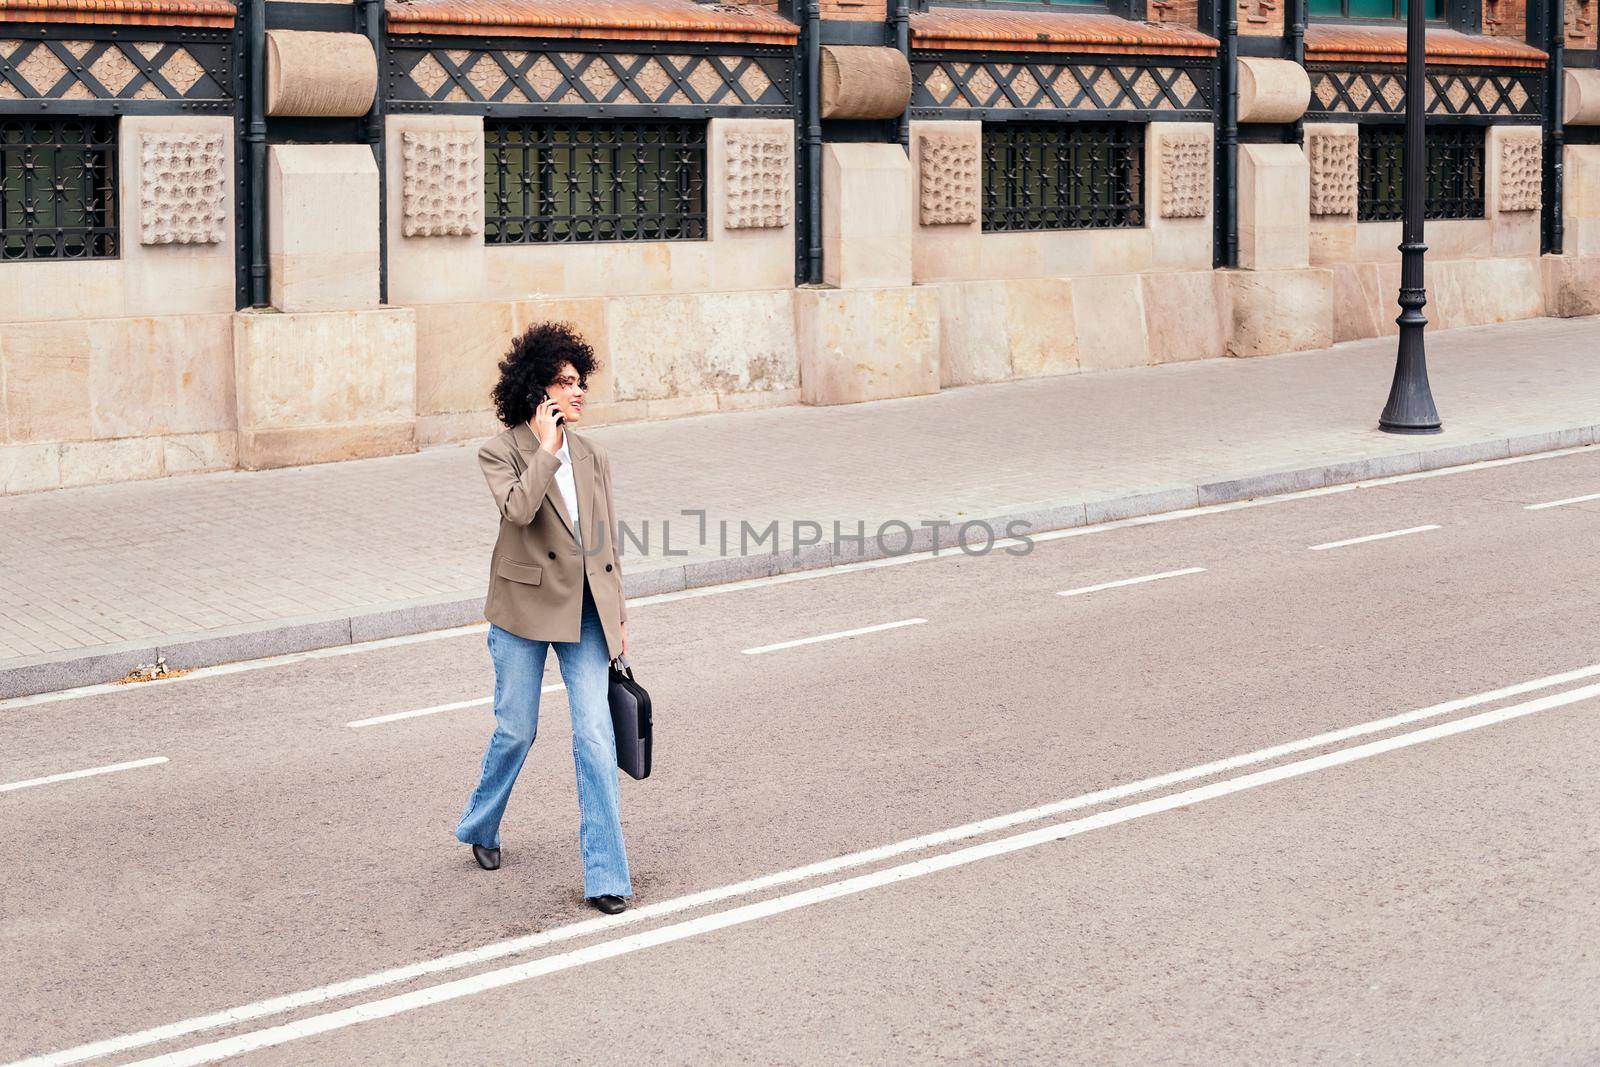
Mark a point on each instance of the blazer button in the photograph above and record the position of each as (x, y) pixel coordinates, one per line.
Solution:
(608, 566)
(552, 555)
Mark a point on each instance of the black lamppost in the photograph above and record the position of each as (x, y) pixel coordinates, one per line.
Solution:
(1410, 408)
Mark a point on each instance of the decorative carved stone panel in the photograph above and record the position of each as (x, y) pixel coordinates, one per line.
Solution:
(758, 177)
(183, 183)
(1185, 175)
(1333, 172)
(443, 183)
(1521, 174)
(949, 179)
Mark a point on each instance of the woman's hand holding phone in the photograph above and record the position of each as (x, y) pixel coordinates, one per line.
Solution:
(546, 424)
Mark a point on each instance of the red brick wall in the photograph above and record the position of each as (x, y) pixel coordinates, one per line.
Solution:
(1505, 18)
(1261, 18)
(1175, 12)
(868, 10)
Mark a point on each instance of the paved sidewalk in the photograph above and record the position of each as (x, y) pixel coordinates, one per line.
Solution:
(210, 568)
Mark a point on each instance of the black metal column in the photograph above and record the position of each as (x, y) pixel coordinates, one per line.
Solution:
(1410, 408)
(1225, 239)
(902, 41)
(812, 118)
(1555, 137)
(256, 140)
(373, 13)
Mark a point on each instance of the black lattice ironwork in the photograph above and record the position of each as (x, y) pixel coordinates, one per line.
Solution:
(992, 88)
(1502, 95)
(558, 182)
(58, 189)
(1454, 173)
(139, 74)
(1060, 176)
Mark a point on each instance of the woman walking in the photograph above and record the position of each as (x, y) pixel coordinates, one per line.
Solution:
(555, 579)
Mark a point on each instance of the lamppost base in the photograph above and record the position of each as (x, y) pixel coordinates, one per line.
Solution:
(1393, 428)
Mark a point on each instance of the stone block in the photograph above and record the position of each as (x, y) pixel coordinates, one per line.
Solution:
(1517, 153)
(1274, 207)
(1581, 97)
(1358, 307)
(1186, 315)
(758, 179)
(322, 227)
(704, 344)
(866, 344)
(99, 462)
(866, 197)
(442, 193)
(183, 187)
(1041, 326)
(1183, 164)
(864, 82)
(1111, 327)
(1476, 292)
(1581, 200)
(46, 376)
(464, 426)
(192, 453)
(1272, 90)
(459, 348)
(155, 376)
(314, 387)
(1332, 240)
(1572, 285)
(29, 468)
(947, 174)
(46, 290)
(1331, 156)
(974, 342)
(320, 75)
(442, 268)
(1280, 311)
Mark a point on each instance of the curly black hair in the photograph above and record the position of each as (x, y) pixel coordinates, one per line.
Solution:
(532, 365)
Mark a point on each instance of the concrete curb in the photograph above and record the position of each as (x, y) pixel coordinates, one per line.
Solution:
(108, 663)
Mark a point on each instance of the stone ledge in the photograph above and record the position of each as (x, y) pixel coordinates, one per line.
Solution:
(218, 14)
(107, 663)
(955, 29)
(674, 20)
(1328, 43)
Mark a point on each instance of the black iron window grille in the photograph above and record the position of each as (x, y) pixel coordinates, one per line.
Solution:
(58, 188)
(559, 182)
(1454, 183)
(1063, 176)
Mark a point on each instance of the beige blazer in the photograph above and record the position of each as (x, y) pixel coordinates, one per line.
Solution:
(536, 573)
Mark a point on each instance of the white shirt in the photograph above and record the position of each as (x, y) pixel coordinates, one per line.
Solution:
(564, 481)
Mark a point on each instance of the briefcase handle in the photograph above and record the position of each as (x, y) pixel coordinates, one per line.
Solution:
(621, 664)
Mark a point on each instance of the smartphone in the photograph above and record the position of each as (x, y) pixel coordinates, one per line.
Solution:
(560, 418)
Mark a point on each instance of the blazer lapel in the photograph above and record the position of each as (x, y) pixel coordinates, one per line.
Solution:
(529, 444)
(583, 479)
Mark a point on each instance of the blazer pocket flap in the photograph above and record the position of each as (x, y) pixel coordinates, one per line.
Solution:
(526, 573)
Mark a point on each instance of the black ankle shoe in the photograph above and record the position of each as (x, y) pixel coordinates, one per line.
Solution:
(609, 904)
(488, 858)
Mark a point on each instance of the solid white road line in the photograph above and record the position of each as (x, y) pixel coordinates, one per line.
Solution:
(1559, 503)
(513, 946)
(1374, 537)
(800, 576)
(91, 772)
(522, 972)
(1130, 581)
(832, 637)
(436, 709)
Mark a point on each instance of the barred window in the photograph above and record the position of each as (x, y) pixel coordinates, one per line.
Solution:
(58, 188)
(1454, 182)
(556, 182)
(1063, 176)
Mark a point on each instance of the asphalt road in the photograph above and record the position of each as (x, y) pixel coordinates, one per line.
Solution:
(1432, 896)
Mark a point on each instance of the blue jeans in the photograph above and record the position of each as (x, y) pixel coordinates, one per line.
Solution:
(518, 670)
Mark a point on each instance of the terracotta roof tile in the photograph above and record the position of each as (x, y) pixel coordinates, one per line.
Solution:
(1326, 43)
(209, 13)
(974, 29)
(682, 20)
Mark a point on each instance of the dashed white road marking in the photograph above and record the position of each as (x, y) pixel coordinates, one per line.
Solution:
(522, 972)
(1130, 581)
(858, 631)
(89, 773)
(418, 713)
(1559, 503)
(514, 946)
(1374, 537)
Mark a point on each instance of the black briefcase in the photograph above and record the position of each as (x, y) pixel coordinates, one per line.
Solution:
(630, 720)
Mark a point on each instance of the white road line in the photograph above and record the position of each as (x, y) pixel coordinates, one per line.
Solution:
(418, 713)
(91, 772)
(11, 703)
(1130, 581)
(514, 946)
(1559, 503)
(832, 637)
(1373, 537)
(522, 972)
